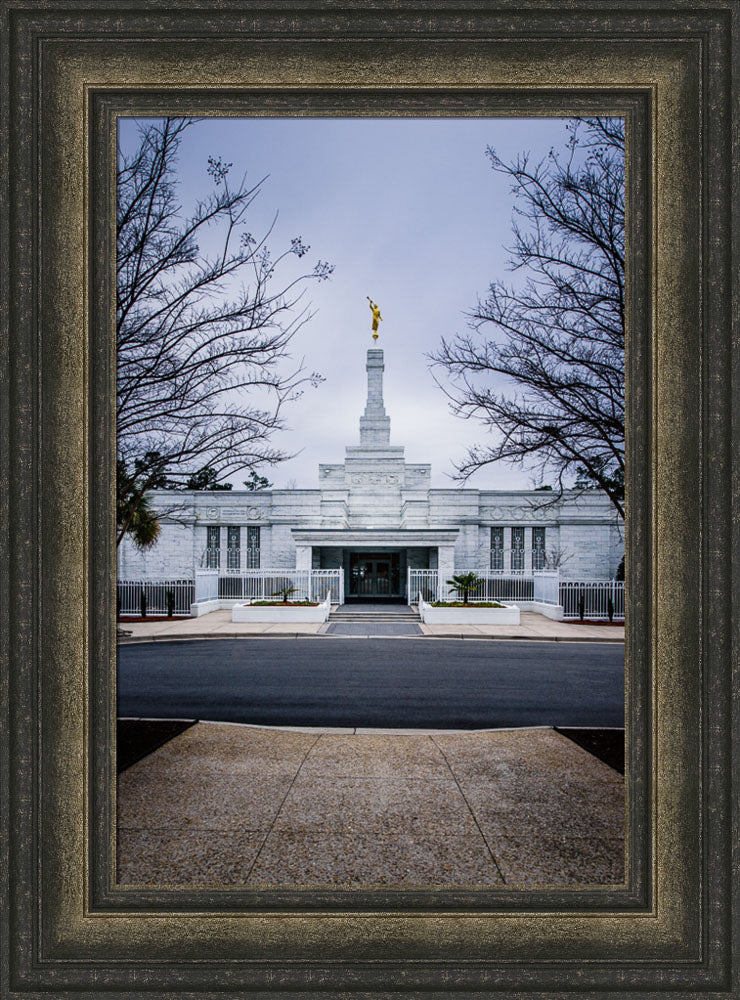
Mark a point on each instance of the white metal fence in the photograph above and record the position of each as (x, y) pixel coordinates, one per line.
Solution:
(155, 597)
(262, 584)
(424, 582)
(491, 586)
(503, 587)
(597, 599)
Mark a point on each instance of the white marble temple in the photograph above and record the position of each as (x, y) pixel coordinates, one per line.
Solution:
(377, 515)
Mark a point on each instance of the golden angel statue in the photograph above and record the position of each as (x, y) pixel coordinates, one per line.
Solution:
(376, 316)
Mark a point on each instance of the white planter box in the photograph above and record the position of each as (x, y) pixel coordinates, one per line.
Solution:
(280, 613)
(507, 615)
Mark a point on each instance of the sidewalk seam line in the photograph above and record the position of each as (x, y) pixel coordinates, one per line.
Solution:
(470, 809)
(279, 808)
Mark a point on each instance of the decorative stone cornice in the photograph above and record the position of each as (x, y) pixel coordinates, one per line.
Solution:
(368, 537)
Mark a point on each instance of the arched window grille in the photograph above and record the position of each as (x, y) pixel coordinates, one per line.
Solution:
(497, 548)
(253, 547)
(213, 546)
(538, 548)
(234, 546)
(517, 549)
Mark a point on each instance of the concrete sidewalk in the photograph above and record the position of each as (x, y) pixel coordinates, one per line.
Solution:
(218, 624)
(242, 805)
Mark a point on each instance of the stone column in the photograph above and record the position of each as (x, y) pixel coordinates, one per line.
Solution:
(528, 567)
(223, 547)
(508, 547)
(303, 557)
(445, 568)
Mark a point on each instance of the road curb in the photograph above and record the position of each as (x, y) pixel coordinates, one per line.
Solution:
(136, 640)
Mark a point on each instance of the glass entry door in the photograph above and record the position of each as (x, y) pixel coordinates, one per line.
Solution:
(374, 574)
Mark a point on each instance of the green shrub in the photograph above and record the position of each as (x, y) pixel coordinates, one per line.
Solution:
(463, 583)
(285, 592)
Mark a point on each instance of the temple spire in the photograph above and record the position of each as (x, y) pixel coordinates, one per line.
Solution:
(375, 426)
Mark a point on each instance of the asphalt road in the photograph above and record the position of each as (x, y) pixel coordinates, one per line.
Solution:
(386, 683)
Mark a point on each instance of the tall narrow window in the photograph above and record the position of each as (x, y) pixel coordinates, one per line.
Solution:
(497, 548)
(517, 549)
(538, 548)
(253, 547)
(213, 547)
(234, 546)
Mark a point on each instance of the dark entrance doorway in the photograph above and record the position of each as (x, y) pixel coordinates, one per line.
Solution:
(375, 576)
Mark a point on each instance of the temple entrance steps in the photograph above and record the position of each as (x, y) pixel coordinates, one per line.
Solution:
(397, 614)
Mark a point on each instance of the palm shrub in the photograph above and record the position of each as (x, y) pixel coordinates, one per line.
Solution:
(285, 592)
(463, 583)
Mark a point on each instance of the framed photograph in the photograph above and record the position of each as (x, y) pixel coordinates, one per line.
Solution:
(338, 620)
(73, 927)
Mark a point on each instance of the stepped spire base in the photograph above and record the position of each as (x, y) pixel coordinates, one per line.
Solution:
(375, 424)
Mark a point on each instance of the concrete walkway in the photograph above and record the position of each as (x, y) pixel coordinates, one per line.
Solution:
(240, 805)
(218, 624)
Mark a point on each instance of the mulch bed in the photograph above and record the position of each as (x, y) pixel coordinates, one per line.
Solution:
(282, 604)
(152, 618)
(606, 744)
(137, 738)
(592, 621)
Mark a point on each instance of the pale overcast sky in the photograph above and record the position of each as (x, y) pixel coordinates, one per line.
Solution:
(409, 212)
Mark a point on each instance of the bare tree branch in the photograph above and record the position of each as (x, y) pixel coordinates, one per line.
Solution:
(203, 335)
(557, 339)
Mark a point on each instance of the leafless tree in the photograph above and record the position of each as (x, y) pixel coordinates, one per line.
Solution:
(203, 333)
(543, 364)
(557, 557)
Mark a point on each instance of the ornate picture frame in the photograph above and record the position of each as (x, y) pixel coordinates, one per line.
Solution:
(68, 70)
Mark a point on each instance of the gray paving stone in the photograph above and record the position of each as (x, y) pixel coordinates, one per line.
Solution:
(235, 805)
(428, 806)
(350, 858)
(186, 857)
(374, 628)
